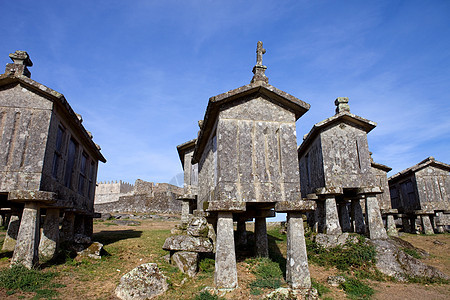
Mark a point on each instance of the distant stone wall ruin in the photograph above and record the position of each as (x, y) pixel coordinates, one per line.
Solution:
(142, 197)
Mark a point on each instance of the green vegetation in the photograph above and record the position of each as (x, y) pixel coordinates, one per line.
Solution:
(18, 278)
(321, 289)
(356, 289)
(207, 265)
(205, 295)
(412, 252)
(268, 274)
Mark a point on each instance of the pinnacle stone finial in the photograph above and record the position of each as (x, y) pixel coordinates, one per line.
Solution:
(21, 60)
(342, 104)
(259, 69)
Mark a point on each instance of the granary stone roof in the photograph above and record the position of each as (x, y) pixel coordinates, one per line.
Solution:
(282, 98)
(429, 161)
(182, 148)
(342, 116)
(12, 78)
(381, 166)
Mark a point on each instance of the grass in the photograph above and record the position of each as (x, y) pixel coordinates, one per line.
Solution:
(321, 289)
(412, 252)
(268, 275)
(20, 279)
(356, 289)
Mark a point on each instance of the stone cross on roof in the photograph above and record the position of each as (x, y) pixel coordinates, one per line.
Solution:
(21, 58)
(259, 53)
(259, 69)
(342, 105)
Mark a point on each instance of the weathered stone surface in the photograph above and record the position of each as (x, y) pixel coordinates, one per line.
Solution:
(67, 227)
(392, 261)
(143, 282)
(426, 224)
(225, 276)
(374, 221)
(48, 244)
(261, 242)
(241, 233)
(332, 225)
(297, 270)
(186, 261)
(344, 218)
(11, 234)
(198, 226)
(93, 251)
(358, 217)
(333, 240)
(391, 228)
(335, 280)
(81, 239)
(188, 243)
(27, 245)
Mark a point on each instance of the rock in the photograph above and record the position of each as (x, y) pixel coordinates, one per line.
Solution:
(335, 280)
(404, 244)
(82, 239)
(392, 261)
(198, 226)
(105, 216)
(436, 242)
(143, 282)
(188, 243)
(176, 231)
(126, 222)
(334, 240)
(93, 251)
(282, 294)
(186, 261)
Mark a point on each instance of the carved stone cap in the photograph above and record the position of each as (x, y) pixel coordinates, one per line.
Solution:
(21, 58)
(341, 104)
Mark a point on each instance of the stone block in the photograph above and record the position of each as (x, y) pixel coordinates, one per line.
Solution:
(186, 261)
(188, 243)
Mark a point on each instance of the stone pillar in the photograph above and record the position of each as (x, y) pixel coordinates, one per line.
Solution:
(297, 270)
(50, 235)
(373, 218)
(358, 217)
(391, 228)
(426, 224)
(26, 251)
(225, 276)
(262, 245)
(344, 218)
(79, 224)
(331, 216)
(439, 228)
(241, 233)
(2, 219)
(88, 226)
(67, 227)
(412, 222)
(185, 211)
(319, 214)
(406, 224)
(13, 229)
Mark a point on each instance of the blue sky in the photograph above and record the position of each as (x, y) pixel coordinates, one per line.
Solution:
(141, 72)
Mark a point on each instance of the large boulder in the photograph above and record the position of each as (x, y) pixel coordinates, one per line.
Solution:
(93, 251)
(334, 240)
(393, 261)
(143, 282)
(198, 226)
(188, 243)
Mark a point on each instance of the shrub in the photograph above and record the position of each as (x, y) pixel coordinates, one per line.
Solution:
(356, 289)
(207, 265)
(412, 252)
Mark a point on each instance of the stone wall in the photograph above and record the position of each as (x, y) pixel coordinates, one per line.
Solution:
(144, 197)
(112, 191)
(433, 187)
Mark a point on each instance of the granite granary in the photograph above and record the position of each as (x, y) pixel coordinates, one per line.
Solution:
(336, 170)
(247, 169)
(48, 166)
(421, 194)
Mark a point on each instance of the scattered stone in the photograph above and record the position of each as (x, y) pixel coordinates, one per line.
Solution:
(176, 231)
(93, 251)
(392, 261)
(198, 226)
(436, 242)
(188, 243)
(282, 294)
(334, 240)
(186, 261)
(126, 222)
(105, 216)
(143, 282)
(335, 280)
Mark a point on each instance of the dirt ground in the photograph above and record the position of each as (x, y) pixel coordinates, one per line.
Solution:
(130, 246)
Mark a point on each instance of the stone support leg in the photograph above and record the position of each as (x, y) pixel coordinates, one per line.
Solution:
(319, 214)
(358, 217)
(88, 226)
(297, 270)
(391, 228)
(225, 276)
(241, 233)
(344, 218)
(331, 216)
(412, 222)
(13, 229)
(373, 219)
(262, 245)
(185, 211)
(2, 219)
(426, 224)
(67, 227)
(26, 250)
(79, 224)
(406, 225)
(50, 235)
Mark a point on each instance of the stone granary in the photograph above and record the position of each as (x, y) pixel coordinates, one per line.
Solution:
(247, 168)
(189, 197)
(422, 192)
(336, 171)
(48, 165)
